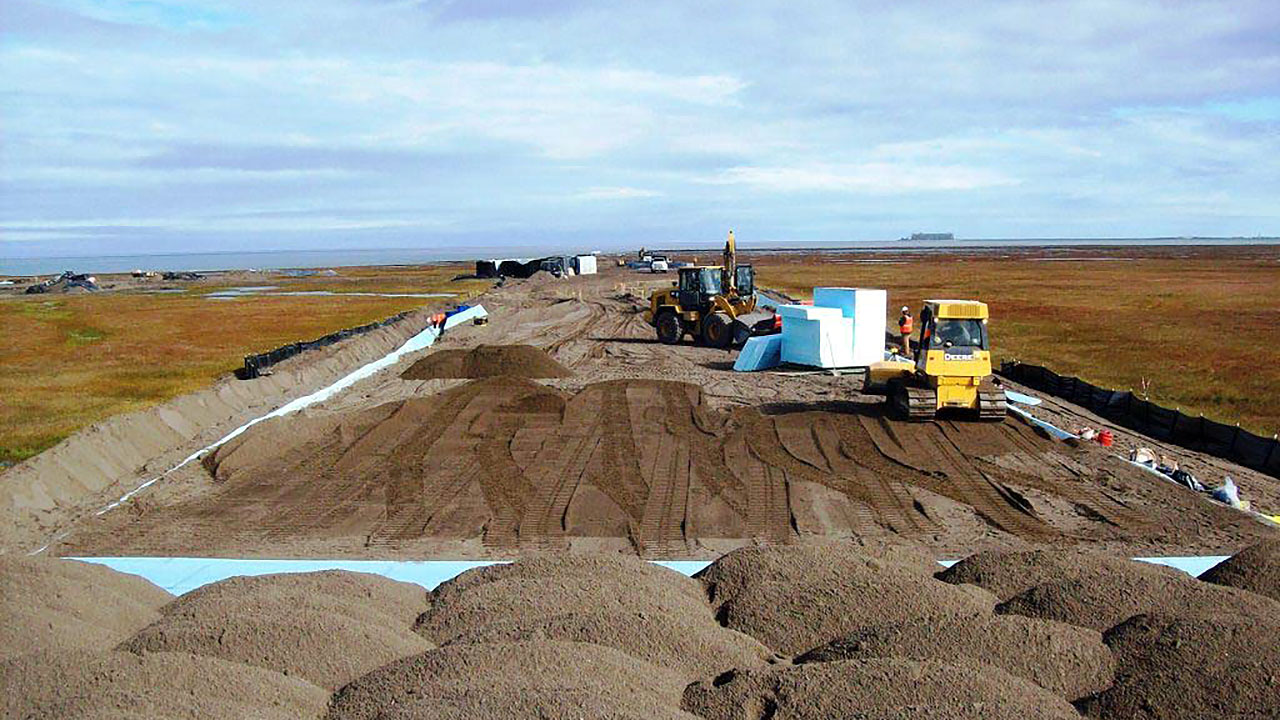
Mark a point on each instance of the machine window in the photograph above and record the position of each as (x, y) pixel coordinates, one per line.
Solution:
(689, 281)
(960, 333)
(711, 281)
(745, 280)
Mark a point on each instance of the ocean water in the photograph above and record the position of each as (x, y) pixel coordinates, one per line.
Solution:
(285, 259)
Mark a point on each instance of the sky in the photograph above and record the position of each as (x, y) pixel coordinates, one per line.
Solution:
(231, 125)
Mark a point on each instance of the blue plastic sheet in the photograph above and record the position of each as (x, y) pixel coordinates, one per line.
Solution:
(180, 575)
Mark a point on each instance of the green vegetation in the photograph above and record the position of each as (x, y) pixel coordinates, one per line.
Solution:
(1199, 328)
(73, 360)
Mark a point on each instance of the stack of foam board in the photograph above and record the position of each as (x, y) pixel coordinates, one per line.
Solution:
(867, 308)
(816, 336)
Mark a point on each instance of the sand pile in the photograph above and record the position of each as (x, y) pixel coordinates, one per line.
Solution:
(1256, 569)
(485, 361)
(48, 603)
(875, 690)
(543, 678)
(1192, 667)
(328, 628)
(1008, 573)
(695, 648)
(795, 599)
(1064, 659)
(401, 602)
(97, 684)
(1104, 602)
(544, 587)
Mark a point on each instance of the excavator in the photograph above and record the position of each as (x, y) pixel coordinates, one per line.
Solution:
(952, 366)
(716, 304)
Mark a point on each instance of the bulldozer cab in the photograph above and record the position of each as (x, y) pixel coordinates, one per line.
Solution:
(953, 339)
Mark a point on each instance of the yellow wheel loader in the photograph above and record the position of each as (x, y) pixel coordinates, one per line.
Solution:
(952, 365)
(715, 304)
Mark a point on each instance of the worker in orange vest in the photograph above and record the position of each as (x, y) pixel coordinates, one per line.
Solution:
(905, 327)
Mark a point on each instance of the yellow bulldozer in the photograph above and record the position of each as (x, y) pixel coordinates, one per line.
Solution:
(716, 304)
(952, 365)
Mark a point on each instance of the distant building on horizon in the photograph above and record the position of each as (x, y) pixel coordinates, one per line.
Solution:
(931, 237)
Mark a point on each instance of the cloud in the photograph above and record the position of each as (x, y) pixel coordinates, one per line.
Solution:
(616, 193)
(395, 118)
(866, 178)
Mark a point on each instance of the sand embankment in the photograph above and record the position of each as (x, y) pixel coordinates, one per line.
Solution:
(100, 463)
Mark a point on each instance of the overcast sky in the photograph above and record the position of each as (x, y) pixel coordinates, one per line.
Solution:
(227, 125)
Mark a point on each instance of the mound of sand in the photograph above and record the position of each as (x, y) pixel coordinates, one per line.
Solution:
(401, 602)
(326, 648)
(695, 648)
(875, 690)
(1067, 660)
(731, 573)
(327, 627)
(1101, 603)
(795, 600)
(545, 587)
(484, 361)
(1192, 667)
(1256, 569)
(606, 567)
(46, 603)
(1008, 573)
(543, 679)
(100, 684)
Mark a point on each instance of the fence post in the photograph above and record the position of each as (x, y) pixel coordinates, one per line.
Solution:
(1275, 440)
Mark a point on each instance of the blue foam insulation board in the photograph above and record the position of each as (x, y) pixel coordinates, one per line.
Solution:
(760, 353)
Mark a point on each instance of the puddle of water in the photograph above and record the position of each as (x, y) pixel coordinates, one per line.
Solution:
(251, 290)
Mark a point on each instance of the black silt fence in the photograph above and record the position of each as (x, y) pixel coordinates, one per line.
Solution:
(255, 364)
(1127, 410)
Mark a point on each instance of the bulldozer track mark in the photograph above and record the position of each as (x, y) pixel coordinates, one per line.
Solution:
(890, 502)
(556, 478)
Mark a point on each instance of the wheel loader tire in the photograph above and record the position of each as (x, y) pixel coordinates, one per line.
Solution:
(669, 328)
(717, 331)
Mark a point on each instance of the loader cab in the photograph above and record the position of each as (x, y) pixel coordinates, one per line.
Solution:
(698, 285)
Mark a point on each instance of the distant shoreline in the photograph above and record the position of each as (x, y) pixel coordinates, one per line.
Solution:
(364, 257)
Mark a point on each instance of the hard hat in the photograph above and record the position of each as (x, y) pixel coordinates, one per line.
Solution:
(906, 309)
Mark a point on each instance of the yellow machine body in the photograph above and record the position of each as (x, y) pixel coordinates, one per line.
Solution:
(952, 366)
(716, 304)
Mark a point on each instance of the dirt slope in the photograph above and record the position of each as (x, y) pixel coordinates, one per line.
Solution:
(504, 465)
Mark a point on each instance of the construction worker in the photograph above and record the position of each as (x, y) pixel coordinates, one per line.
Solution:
(905, 327)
